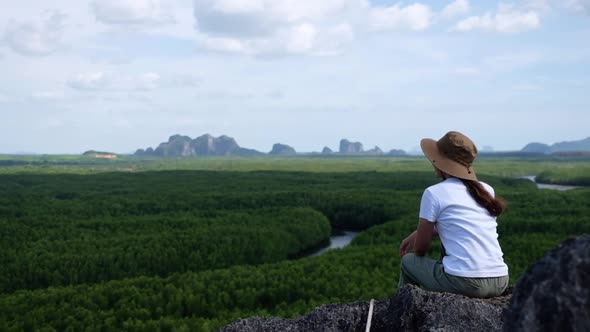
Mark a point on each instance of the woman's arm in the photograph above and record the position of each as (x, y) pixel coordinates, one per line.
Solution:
(424, 234)
(419, 240)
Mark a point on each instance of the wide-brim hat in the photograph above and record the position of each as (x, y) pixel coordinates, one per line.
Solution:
(453, 154)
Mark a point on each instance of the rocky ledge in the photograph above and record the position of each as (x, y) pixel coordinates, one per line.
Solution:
(553, 295)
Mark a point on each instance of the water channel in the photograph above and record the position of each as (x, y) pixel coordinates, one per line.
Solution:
(548, 186)
(338, 240)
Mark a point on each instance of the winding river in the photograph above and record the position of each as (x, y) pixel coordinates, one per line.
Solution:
(548, 186)
(339, 240)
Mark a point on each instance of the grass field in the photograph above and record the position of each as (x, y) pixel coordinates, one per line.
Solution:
(549, 169)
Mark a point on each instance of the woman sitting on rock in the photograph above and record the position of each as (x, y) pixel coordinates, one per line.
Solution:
(462, 211)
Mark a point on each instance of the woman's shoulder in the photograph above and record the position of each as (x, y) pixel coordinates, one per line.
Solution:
(487, 187)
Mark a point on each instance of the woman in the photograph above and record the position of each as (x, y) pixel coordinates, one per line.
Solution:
(462, 211)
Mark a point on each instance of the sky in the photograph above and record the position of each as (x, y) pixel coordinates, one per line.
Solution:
(118, 75)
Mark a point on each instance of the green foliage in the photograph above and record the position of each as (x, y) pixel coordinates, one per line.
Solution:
(193, 250)
(578, 175)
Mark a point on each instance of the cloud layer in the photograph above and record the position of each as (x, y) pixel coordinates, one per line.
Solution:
(132, 12)
(378, 71)
(507, 19)
(36, 38)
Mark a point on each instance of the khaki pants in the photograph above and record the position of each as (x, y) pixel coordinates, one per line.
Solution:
(430, 274)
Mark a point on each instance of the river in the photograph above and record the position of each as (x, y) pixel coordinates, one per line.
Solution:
(338, 240)
(548, 186)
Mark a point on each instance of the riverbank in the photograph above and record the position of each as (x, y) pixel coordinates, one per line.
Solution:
(550, 186)
(337, 240)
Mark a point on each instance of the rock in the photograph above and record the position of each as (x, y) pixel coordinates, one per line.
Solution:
(347, 147)
(554, 294)
(177, 146)
(414, 309)
(204, 145)
(207, 145)
(536, 148)
(571, 146)
(282, 150)
(327, 150)
(411, 309)
(243, 152)
(376, 151)
(330, 317)
(396, 153)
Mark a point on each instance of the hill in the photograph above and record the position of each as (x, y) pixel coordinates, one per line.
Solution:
(560, 147)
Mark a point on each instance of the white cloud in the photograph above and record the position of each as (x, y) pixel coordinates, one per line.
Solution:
(302, 39)
(90, 81)
(413, 17)
(579, 5)
(508, 62)
(467, 71)
(456, 8)
(536, 5)
(258, 18)
(132, 12)
(93, 81)
(308, 39)
(148, 81)
(508, 19)
(37, 38)
(48, 95)
(275, 28)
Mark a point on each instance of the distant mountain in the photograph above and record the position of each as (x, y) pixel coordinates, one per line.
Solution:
(348, 147)
(205, 145)
(396, 153)
(282, 150)
(572, 146)
(560, 147)
(376, 151)
(356, 148)
(536, 148)
(327, 150)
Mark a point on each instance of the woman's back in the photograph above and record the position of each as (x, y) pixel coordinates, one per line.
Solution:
(466, 229)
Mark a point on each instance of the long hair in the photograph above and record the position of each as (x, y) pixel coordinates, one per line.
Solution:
(494, 205)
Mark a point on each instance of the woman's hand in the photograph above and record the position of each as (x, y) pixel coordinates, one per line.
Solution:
(407, 244)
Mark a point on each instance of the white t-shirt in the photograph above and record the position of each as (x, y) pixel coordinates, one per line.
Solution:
(466, 229)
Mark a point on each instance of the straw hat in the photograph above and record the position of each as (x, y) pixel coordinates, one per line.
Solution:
(453, 154)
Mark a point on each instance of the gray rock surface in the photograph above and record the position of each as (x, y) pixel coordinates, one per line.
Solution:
(376, 151)
(177, 145)
(536, 147)
(554, 294)
(411, 309)
(282, 150)
(204, 145)
(568, 146)
(396, 152)
(207, 145)
(347, 147)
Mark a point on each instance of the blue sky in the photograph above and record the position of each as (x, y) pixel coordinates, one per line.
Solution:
(119, 75)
